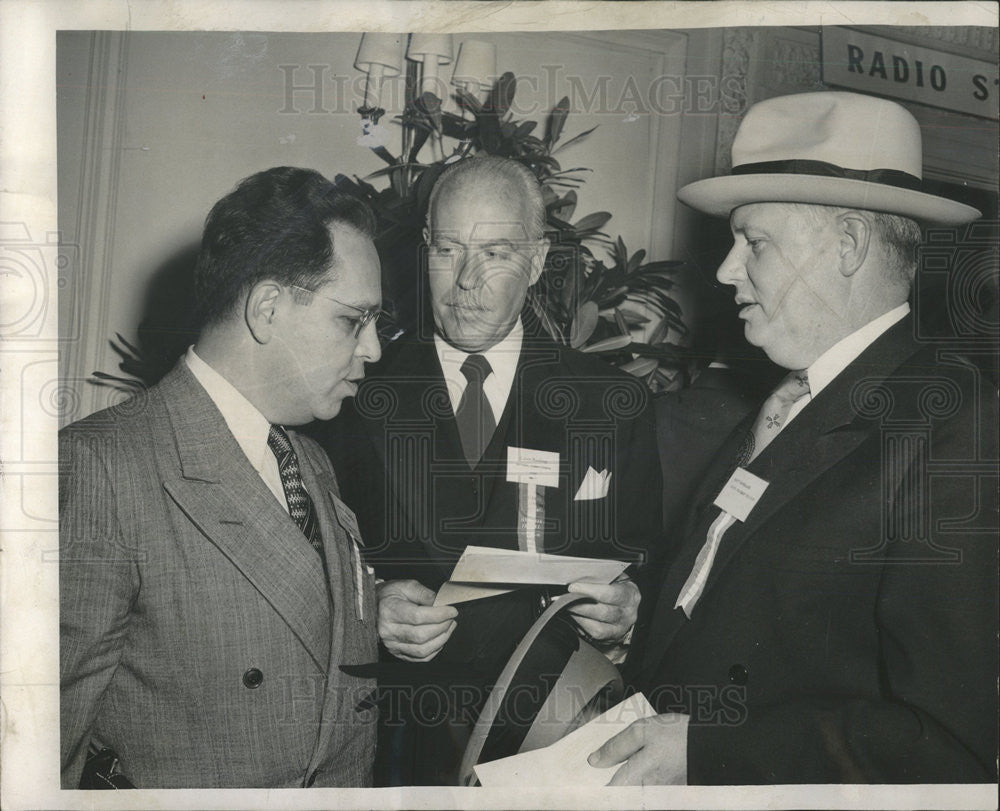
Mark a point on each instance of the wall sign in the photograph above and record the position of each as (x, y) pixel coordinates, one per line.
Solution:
(887, 68)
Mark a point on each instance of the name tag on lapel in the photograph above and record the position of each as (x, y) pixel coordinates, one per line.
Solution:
(347, 519)
(741, 493)
(528, 466)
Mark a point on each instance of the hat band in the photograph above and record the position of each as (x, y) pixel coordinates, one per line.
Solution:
(886, 177)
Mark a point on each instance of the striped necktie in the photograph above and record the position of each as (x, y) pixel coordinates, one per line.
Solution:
(300, 506)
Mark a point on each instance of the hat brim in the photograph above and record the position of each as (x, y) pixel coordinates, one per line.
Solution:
(720, 195)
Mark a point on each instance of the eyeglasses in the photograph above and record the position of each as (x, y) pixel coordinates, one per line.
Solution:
(363, 320)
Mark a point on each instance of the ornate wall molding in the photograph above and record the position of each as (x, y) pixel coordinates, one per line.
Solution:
(739, 47)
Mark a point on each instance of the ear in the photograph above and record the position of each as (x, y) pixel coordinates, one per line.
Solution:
(855, 232)
(538, 260)
(427, 235)
(261, 309)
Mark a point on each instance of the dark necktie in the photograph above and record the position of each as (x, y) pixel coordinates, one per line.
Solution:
(474, 415)
(300, 506)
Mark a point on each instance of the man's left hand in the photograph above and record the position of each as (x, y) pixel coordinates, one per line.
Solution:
(655, 751)
(613, 612)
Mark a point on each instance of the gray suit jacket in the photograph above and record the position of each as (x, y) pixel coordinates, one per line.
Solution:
(197, 637)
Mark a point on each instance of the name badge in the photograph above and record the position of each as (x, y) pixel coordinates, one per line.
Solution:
(347, 519)
(528, 466)
(741, 494)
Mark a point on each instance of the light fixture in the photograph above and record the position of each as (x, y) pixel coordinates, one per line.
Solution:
(476, 67)
(431, 50)
(379, 56)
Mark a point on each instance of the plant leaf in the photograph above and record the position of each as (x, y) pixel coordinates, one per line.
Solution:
(502, 94)
(609, 344)
(574, 139)
(592, 222)
(640, 367)
(556, 121)
(583, 324)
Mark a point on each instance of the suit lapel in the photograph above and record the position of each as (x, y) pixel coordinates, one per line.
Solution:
(824, 433)
(226, 499)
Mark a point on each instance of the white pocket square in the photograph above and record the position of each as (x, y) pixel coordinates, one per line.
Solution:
(594, 485)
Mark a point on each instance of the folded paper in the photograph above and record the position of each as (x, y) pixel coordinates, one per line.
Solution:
(564, 763)
(484, 571)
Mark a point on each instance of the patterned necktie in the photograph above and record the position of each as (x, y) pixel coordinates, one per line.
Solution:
(774, 413)
(474, 415)
(300, 506)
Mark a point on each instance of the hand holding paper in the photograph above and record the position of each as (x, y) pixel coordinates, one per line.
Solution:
(410, 627)
(564, 763)
(613, 612)
(654, 750)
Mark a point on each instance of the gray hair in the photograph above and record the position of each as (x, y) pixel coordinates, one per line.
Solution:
(900, 237)
(501, 177)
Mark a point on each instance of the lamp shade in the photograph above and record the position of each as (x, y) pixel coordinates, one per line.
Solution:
(433, 49)
(476, 63)
(381, 49)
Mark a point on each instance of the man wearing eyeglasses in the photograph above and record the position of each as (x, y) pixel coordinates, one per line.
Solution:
(211, 585)
(433, 456)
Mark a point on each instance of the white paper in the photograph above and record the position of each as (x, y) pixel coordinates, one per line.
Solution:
(741, 493)
(498, 569)
(564, 763)
(529, 466)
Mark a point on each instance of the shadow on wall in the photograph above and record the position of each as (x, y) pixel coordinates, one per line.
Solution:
(167, 326)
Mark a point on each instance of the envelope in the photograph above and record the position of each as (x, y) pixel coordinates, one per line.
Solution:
(483, 571)
(564, 763)
(594, 485)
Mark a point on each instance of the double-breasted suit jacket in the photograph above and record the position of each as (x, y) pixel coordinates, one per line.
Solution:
(420, 504)
(847, 631)
(200, 638)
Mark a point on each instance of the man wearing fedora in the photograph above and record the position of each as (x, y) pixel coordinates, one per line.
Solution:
(832, 614)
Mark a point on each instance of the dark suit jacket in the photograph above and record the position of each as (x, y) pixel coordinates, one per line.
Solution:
(398, 454)
(691, 424)
(180, 576)
(848, 630)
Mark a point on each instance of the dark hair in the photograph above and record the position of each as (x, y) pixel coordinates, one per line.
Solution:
(273, 225)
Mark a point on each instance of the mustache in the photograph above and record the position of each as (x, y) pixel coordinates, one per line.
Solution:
(464, 304)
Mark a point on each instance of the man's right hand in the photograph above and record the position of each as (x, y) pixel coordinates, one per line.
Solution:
(410, 627)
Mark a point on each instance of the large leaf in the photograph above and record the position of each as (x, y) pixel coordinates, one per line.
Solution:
(575, 138)
(502, 94)
(640, 367)
(557, 118)
(583, 324)
(609, 344)
(592, 222)
(467, 101)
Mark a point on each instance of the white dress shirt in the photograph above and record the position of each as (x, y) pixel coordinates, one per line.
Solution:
(839, 356)
(502, 357)
(248, 426)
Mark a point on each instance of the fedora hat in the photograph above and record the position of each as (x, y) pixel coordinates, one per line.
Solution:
(827, 148)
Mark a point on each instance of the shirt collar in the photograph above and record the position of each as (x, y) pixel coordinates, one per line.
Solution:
(502, 357)
(839, 356)
(245, 422)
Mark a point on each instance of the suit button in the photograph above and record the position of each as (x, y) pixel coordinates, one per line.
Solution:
(738, 674)
(252, 678)
(475, 489)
